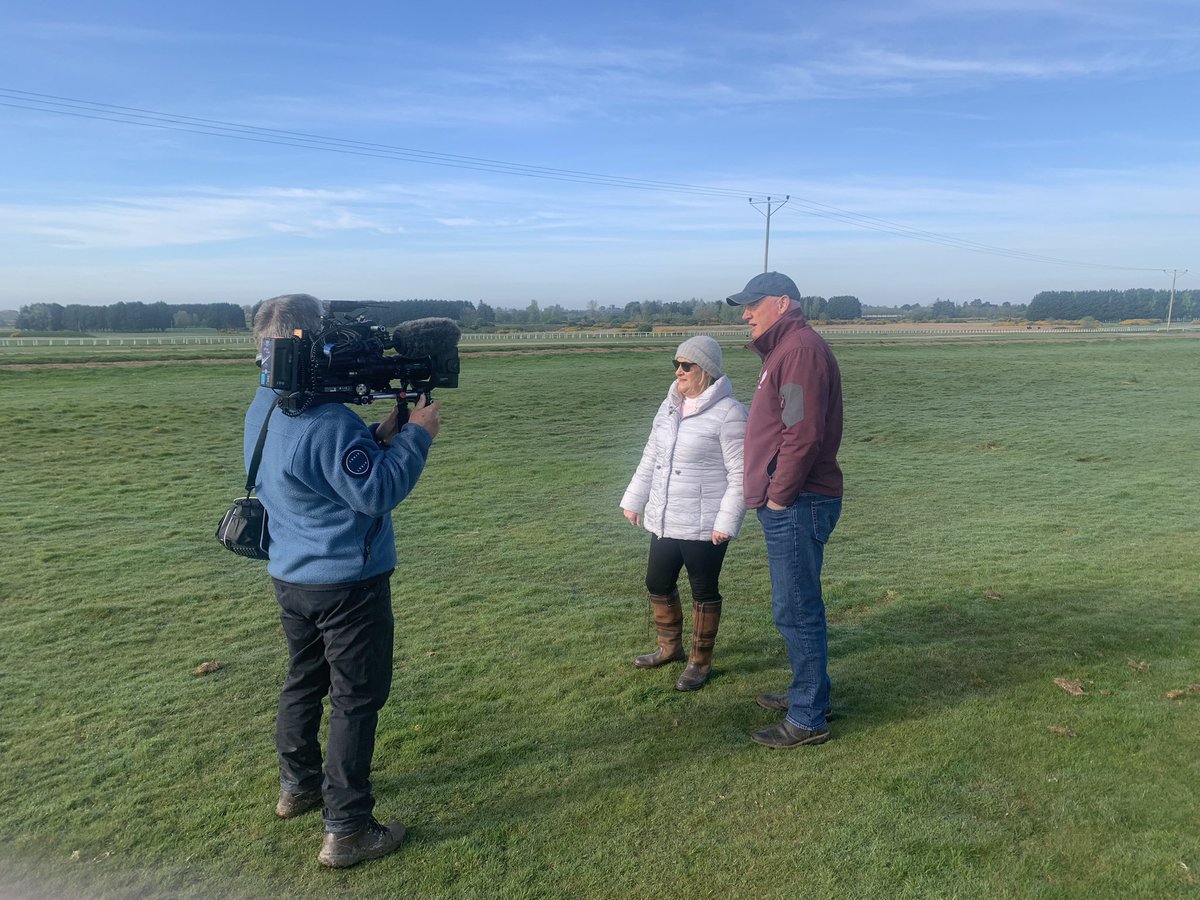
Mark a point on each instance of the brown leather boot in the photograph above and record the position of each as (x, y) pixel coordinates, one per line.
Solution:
(292, 805)
(668, 623)
(705, 619)
(372, 842)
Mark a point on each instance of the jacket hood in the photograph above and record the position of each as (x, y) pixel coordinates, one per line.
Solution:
(718, 390)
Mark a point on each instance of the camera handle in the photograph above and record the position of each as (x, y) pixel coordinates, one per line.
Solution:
(402, 398)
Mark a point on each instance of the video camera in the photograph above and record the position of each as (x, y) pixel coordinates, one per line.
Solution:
(347, 360)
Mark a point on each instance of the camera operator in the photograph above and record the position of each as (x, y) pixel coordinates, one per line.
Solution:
(329, 484)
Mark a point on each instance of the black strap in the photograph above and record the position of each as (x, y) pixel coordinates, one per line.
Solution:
(257, 458)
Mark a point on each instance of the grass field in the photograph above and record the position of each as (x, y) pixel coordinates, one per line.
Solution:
(1016, 513)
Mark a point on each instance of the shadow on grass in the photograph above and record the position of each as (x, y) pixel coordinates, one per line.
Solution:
(905, 661)
(501, 757)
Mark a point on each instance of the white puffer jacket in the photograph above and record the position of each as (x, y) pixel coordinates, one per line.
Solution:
(689, 482)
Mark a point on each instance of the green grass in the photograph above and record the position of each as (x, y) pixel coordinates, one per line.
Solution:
(1016, 512)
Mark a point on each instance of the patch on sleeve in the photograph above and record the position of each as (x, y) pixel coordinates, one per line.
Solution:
(793, 404)
(357, 462)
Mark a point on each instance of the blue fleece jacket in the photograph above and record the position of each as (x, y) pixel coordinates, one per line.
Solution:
(329, 490)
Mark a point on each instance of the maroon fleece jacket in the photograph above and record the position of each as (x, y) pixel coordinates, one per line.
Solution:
(795, 425)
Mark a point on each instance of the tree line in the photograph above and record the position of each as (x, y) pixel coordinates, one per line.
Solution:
(1113, 305)
(1102, 306)
(649, 313)
(944, 310)
(393, 312)
(130, 316)
(150, 317)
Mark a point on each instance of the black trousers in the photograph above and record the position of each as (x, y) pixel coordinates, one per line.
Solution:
(703, 560)
(340, 641)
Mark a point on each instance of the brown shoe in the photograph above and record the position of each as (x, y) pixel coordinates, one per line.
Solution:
(785, 735)
(291, 805)
(372, 842)
(668, 623)
(693, 677)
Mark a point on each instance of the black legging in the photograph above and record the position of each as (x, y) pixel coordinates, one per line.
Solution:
(703, 560)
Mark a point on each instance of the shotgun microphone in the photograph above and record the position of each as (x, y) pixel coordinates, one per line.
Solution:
(426, 337)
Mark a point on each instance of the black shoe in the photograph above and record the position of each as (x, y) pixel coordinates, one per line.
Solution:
(372, 842)
(779, 702)
(291, 805)
(785, 735)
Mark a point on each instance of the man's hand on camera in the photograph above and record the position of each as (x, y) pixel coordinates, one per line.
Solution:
(387, 429)
(426, 415)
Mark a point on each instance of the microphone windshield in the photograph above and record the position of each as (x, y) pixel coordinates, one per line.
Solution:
(426, 337)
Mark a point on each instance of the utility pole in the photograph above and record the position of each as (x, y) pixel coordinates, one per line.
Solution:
(1174, 273)
(768, 214)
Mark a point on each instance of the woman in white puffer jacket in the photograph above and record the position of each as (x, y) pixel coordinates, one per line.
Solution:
(687, 492)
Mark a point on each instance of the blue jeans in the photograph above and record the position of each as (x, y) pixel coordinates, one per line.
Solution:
(796, 539)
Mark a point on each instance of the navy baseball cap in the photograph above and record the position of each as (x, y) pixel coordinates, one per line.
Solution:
(768, 284)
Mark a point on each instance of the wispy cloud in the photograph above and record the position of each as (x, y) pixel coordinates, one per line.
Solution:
(878, 63)
(1103, 15)
(75, 31)
(546, 83)
(82, 32)
(191, 218)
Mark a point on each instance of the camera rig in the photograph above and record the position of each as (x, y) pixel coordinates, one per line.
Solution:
(351, 359)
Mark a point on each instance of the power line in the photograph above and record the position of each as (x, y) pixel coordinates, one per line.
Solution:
(67, 106)
(146, 118)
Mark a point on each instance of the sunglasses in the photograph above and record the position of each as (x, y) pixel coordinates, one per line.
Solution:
(680, 364)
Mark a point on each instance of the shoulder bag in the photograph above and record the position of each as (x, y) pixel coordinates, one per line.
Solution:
(243, 529)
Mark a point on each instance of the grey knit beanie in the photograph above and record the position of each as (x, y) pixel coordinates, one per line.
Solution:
(704, 351)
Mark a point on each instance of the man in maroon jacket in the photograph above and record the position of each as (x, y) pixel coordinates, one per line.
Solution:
(793, 481)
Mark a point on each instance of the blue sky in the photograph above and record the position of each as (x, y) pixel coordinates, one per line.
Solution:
(1046, 129)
